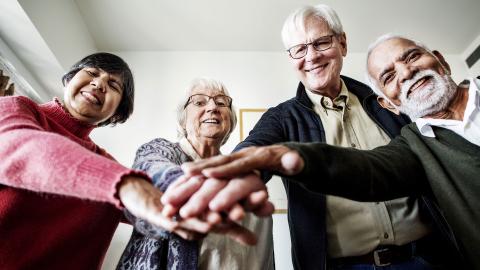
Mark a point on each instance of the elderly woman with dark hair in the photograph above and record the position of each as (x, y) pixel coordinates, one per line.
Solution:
(205, 121)
(60, 193)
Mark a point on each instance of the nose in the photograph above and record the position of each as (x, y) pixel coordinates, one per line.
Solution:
(406, 72)
(312, 54)
(211, 105)
(99, 83)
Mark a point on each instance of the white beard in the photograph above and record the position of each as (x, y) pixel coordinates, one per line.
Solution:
(430, 99)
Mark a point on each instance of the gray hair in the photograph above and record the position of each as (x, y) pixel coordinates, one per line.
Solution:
(203, 83)
(386, 37)
(296, 21)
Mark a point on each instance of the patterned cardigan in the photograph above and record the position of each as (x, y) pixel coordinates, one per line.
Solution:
(152, 247)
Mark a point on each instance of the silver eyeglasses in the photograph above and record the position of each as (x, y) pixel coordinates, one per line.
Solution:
(201, 100)
(320, 44)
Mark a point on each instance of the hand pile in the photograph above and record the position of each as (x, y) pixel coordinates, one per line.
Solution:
(213, 195)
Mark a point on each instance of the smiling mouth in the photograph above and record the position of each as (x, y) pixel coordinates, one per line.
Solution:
(317, 67)
(90, 98)
(418, 84)
(211, 121)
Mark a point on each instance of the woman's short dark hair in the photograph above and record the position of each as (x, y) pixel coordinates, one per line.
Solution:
(114, 65)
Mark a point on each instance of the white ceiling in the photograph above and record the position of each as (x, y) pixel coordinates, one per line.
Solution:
(119, 25)
(48, 36)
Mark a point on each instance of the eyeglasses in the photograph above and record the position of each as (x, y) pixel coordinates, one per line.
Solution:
(201, 100)
(320, 44)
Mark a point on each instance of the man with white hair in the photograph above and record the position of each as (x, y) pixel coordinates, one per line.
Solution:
(331, 108)
(437, 156)
(329, 230)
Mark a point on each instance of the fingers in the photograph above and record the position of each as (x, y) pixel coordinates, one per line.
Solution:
(249, 159)
(236, 190)
(169, 210)
(198, 202)
(195, 225)
(142, 200)
(292, 163)
(213, 218)
(236, 213)
(181, 190)
(194, 168)
(255, 199)
(258, 203)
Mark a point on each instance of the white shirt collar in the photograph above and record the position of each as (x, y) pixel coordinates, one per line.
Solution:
(425, 124)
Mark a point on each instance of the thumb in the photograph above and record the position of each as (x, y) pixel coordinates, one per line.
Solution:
(292, 163)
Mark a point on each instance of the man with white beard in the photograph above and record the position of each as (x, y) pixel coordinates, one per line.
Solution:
(437, 156)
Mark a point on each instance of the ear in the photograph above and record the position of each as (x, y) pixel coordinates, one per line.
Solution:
(342, 39)
(442, 61)
(386, 104)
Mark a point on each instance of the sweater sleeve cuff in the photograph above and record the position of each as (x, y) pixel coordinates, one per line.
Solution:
(116, 199)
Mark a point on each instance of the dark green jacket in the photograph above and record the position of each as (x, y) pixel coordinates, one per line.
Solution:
(445, 169)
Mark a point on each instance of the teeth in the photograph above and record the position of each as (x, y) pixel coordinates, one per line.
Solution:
(417, 84)
(90, 97)
(211, 121)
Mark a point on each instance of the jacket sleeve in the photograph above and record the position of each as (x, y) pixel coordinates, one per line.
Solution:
(384, 173)
(267, 131)
(161, 160)
(36, 159)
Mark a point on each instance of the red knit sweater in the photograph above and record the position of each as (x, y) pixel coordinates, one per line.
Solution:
(57, 189)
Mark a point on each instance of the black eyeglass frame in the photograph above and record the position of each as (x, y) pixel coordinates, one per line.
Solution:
(229, 99)
(312, 43)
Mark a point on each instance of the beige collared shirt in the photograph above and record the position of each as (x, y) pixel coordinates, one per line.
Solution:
(220, 252)
(355, 228)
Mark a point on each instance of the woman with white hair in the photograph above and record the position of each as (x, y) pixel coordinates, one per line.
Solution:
(205, 121)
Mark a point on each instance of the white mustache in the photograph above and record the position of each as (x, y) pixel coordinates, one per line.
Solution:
(409, 83)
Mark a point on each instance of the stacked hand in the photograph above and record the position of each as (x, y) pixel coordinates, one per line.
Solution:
(229, 184)
(213, 195)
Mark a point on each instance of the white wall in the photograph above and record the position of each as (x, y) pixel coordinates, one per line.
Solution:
(255, 80)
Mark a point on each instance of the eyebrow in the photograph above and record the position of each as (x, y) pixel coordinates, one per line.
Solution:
(402, 57)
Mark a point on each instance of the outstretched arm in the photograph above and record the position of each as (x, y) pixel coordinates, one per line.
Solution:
(38, 160)
(384, 173)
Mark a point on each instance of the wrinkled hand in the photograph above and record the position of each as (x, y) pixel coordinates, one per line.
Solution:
(142, 199)
(193, 194)
(196, 194)
(5, 89)
(276, 158)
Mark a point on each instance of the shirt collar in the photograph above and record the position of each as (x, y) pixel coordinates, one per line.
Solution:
(424, 125)
(325, 102)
